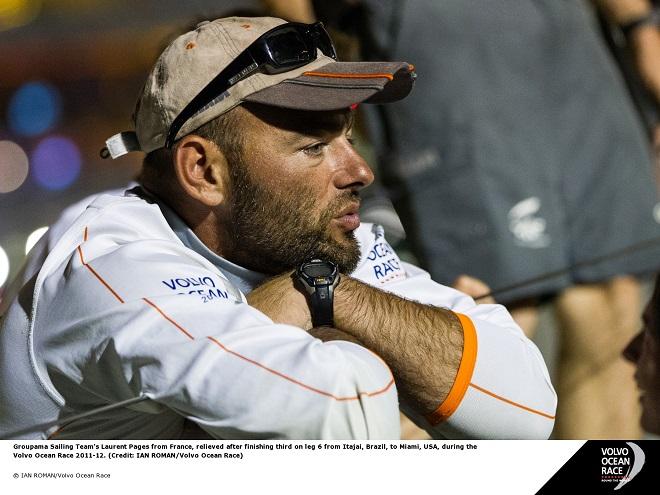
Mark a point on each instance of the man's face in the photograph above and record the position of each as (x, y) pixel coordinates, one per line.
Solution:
(295, 190)
(644, 351)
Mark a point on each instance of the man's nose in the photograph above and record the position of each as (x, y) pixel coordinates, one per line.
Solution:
(353, 171)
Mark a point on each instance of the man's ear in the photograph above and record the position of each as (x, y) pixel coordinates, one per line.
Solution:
(201, 169)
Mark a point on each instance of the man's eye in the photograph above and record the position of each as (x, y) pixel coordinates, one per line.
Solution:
(315, 149)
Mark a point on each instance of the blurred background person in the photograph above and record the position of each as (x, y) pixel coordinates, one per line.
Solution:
(632, 29)
(520, 153)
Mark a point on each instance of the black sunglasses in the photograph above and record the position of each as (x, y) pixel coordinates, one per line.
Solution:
(283, 48)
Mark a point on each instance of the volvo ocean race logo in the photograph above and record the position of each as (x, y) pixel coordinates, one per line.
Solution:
(621, 464)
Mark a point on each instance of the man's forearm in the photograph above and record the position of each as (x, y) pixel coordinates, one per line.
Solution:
(422, 344)
(424, 348)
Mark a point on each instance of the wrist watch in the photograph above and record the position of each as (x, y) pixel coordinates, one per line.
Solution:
(320, 279)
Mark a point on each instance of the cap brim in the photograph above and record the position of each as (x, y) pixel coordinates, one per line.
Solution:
(339, 85)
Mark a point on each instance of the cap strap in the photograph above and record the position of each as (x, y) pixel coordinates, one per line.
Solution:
(122, 143)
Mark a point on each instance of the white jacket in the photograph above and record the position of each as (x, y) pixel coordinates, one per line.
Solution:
(130, 303)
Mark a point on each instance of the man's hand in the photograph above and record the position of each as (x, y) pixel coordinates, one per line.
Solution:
(473, 287)
(280, 300)
(328, 334)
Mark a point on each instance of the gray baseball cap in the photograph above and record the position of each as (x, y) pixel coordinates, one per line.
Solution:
(193, 59)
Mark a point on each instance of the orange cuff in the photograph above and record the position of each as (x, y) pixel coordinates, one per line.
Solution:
(464, 375)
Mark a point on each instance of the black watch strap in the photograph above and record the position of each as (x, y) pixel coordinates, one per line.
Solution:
(321, 302)
(320, 279)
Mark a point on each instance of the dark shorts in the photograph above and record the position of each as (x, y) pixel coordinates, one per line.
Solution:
(518, 152)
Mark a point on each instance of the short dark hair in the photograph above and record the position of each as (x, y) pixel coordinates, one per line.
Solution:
(157, 171)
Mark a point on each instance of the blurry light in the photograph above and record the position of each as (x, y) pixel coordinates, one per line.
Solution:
(13, 166)
(55, 163)
(34, 237)
(15, 13)
(4, 266)
(34, 108)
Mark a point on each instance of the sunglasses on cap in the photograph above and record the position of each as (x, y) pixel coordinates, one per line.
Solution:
(283, 48)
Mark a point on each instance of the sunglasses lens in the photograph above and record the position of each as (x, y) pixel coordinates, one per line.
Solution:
(289, 47)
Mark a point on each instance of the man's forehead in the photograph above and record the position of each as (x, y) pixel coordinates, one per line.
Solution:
(302, 122)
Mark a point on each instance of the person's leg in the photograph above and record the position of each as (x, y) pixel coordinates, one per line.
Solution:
(595, 386)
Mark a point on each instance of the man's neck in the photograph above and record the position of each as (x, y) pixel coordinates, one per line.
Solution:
(242, 278)
(201, 220)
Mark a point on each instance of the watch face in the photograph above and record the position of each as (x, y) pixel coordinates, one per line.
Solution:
(319, 270)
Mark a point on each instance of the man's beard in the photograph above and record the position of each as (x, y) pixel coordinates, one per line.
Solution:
(275, 233)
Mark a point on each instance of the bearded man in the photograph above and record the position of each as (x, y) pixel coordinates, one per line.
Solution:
(235, 288)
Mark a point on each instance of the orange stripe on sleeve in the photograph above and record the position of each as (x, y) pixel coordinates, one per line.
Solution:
(515, 404)
(464, 375)
(160, 311)
(99, 278)
(299, 383)
(270, 370)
